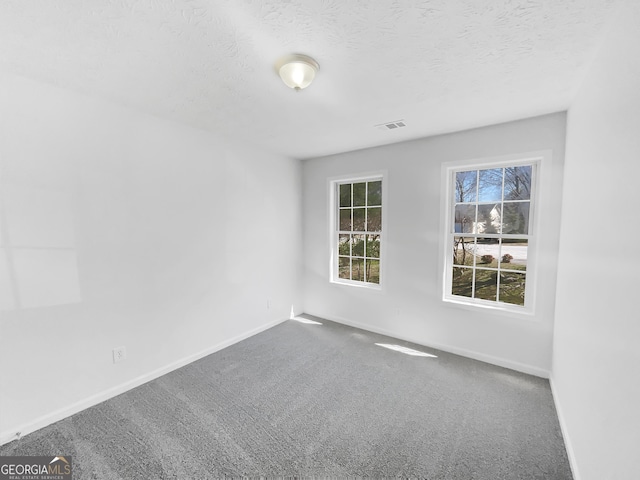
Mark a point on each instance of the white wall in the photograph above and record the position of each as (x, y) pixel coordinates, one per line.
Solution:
(127, 230)
(411, 306)
(596, 359)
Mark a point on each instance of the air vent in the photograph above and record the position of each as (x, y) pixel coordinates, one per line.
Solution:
(391, 125)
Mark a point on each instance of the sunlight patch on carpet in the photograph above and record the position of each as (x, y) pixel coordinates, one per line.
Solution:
(406, 350)
(306, 320)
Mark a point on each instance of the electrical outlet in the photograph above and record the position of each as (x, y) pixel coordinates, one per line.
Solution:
(119, 354)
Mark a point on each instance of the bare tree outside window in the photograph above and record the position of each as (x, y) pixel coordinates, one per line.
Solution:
(490, 233)
(359, 230)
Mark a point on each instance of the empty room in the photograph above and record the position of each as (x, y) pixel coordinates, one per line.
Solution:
(319, 239)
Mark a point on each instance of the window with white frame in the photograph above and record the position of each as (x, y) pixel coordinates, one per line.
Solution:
(357, 231)
(489, 234)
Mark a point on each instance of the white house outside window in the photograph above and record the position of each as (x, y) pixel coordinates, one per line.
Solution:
(489, 234)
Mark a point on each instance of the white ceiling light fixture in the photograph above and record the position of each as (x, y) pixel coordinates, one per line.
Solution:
(297, 71)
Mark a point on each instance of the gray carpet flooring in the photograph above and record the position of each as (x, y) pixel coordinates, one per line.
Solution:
(307, 400)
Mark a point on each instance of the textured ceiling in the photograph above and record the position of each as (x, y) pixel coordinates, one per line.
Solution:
(440, 65)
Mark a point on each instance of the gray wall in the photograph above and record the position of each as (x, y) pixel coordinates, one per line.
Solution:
(121, 229)
(410, 305)
(596, 359)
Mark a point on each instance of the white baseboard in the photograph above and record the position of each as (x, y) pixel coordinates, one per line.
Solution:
(563, 428)
(60, 414)
(501, 362)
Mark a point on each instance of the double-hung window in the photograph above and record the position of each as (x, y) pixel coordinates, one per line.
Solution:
(489, 234)
(357, 231)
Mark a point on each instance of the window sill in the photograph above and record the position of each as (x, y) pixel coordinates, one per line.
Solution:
(361, 285)
(498, 308)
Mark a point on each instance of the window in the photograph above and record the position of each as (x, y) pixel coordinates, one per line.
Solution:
(357, 231)
(489, 234)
